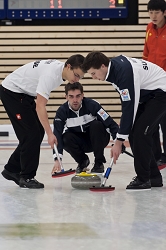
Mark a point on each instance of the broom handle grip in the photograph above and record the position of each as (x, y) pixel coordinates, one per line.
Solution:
(110, 166)
(107, 173)
(108, 170)
(57, 155)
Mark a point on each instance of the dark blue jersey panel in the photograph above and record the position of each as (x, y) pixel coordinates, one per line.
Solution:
(121, 76)
(79, 121)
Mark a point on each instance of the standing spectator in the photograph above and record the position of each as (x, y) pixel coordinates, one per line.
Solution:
(155, 52)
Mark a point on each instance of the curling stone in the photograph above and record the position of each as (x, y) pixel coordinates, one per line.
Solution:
(85, 181)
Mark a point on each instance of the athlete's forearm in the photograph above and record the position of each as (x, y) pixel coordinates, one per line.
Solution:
(43, 117)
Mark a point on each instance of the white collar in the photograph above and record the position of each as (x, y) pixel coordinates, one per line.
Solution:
(76, 111)
(109, 66)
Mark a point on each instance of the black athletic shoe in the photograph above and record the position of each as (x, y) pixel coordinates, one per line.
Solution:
(11, 176)
(136, 184)
(98, 168)
(161, 162)
(81, 166)
(30, 183)
(156, 181)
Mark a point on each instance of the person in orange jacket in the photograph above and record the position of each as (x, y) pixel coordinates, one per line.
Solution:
(155, 52)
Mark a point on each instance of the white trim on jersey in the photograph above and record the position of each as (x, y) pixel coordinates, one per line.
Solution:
(79, 121)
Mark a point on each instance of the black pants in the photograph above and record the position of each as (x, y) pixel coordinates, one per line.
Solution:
(148, 117)
(21, 110)
(157, 144)
(94, 140)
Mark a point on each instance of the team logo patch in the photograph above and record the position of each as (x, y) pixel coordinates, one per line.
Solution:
(103, 114)
(18, 116)
(125, 95)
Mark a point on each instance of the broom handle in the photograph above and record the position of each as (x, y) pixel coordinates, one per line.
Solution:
(57, 155)
(126, 152)
(107, 173)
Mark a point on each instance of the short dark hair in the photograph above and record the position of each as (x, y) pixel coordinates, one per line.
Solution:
(94, 60)
(75, 61)
(73, 86)
(156, 5)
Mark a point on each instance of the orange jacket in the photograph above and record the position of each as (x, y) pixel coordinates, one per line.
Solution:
(155, 45)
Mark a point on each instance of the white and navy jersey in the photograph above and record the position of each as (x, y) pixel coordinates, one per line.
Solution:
(136, 81)
(67, 119)
(40, 77)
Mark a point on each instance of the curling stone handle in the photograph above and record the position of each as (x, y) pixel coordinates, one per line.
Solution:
(57, 155)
